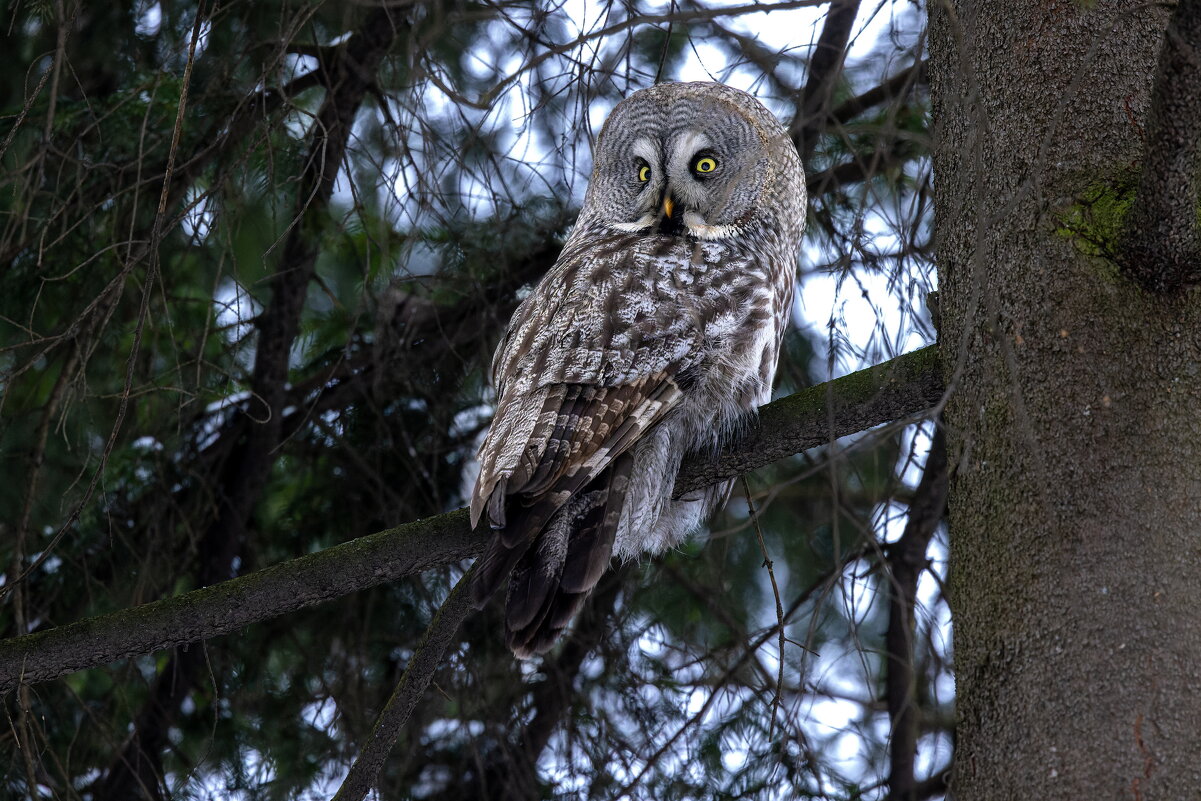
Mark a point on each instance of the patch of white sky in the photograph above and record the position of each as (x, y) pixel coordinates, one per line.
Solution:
(198, 218)
(236, 309)
(148, 20)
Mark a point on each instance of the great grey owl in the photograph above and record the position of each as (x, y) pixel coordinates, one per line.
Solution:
(655, 333)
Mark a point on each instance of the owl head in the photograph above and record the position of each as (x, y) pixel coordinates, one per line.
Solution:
(694, 159)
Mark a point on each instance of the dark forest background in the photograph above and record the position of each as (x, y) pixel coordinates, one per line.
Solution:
(256, 257)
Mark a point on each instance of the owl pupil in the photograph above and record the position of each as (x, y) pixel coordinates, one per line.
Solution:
(704, 164)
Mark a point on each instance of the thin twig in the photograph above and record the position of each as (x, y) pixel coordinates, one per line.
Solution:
(687, 15)
(775, 588)
(666, 44)
(140, 325)
(751, 649)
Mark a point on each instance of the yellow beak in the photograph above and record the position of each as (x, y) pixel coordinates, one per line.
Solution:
(667, 206)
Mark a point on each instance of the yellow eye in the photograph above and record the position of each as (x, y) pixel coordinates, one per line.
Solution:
(705, 164)
(644, 173)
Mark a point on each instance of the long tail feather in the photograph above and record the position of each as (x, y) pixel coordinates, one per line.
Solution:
(552, 584)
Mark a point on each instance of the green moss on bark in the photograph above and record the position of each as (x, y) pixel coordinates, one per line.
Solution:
(1094, 223)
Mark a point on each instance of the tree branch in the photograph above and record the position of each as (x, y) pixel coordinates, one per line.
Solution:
(1160, 246)
(825, 68)
(513, 772)
(894, 390)
(900, 388)
(898, 150)
(364, 773)
(906, 561)
(898, 85)
(231, 605)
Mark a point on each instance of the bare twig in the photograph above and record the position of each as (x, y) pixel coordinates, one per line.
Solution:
(775, 588)
(139, 328)
(887, 155)
(243, 474)
(751, 649)
(633, 21)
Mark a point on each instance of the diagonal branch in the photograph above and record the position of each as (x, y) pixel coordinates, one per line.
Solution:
(859, 168)
(901, 388)
(898, 86)
(1160, 248)
(364, 773)
(512, 768)
(906, 561)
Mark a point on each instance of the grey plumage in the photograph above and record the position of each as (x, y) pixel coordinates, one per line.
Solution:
(654, 334)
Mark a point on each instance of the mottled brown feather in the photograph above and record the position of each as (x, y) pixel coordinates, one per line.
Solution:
(526, 511)
(552, 580)
(590, 549)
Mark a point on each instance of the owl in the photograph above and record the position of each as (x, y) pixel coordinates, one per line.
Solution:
(655, 334)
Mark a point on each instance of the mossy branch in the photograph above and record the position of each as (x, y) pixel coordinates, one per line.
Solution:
(903, 387)
(887, 392)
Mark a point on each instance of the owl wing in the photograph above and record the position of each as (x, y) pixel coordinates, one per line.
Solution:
(591, 361)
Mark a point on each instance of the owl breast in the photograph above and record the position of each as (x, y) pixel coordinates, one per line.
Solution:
(738, 306)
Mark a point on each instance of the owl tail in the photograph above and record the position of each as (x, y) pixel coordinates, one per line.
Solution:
(555, 576)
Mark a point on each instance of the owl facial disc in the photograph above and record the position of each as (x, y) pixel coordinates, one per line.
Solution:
(701, 161)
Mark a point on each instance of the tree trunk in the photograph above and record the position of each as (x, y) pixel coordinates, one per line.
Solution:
(1075, 416)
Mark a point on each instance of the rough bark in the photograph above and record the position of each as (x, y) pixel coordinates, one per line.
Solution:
(1160, 249)
(1072, 422)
